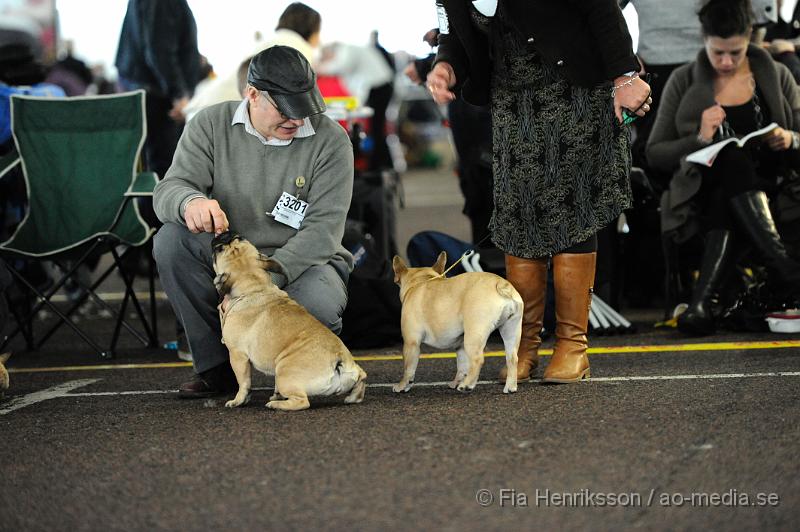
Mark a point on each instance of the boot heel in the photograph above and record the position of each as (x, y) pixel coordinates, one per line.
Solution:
(582, 376)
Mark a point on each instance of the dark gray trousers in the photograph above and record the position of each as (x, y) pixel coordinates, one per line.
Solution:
(186, 271)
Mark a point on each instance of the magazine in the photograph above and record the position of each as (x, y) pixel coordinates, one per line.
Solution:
(707, 155)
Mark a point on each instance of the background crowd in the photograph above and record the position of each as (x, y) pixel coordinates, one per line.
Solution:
(726, 238)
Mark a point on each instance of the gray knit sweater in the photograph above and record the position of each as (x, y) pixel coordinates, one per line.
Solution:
(225, 163)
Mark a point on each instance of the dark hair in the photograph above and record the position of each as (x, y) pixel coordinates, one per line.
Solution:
(726, 18)
(300, 18)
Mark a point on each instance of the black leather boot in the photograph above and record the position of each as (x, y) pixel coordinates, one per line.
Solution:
(697, 320)
(751, 210)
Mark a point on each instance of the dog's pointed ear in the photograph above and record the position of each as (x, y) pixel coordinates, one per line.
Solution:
(269, 265)
(441, 262)
(399, 268)
(4, 358)
(223, 284)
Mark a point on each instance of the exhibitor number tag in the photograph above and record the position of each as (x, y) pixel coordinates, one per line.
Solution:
(290, 210)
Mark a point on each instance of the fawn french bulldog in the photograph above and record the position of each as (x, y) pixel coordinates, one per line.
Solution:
(4, 381)
(263, 326)
(458, 312)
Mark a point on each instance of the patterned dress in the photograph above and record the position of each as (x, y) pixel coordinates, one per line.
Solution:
(561, 161)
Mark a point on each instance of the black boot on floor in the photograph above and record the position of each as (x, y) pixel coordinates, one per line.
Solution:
(698, 319)
(751, 211)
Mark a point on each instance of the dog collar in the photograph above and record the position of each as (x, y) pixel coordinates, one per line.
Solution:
(442, 275)
(224, 314)
(413, 286)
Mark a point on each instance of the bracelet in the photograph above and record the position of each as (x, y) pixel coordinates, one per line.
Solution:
(795, 140)
(625, 83)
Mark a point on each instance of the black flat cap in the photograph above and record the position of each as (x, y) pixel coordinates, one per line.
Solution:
(286, 75)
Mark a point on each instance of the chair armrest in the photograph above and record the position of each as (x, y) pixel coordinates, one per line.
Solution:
(9, 161)
(143, 185)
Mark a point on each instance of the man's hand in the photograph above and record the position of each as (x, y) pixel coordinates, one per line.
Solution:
(205, 216)
(440, 80)
(632, 94)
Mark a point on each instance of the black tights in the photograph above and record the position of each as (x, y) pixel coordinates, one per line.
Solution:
(587, 246)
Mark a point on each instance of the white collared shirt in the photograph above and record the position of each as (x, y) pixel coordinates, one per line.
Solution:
(241, 116)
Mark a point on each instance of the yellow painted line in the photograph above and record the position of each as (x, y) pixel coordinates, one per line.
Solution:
(102, 367)
(626, 349)
(612, 350)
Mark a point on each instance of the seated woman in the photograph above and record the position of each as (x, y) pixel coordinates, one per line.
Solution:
(732, 88)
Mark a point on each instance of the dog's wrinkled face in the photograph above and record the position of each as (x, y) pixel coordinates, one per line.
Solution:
(222, 240)
(237, 260)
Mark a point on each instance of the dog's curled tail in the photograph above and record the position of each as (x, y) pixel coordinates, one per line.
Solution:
(507, 290)
(358, 387)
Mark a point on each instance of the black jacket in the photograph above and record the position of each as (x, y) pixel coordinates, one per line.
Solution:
(158, 47)
(588, 39)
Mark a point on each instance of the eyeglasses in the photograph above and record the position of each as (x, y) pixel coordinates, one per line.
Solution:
(629, 116)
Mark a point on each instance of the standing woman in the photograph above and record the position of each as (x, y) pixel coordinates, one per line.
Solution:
(557, 76)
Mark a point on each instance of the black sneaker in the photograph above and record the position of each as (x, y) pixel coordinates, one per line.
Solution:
(219, 380)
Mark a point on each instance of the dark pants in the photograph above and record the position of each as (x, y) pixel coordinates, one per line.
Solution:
(733, 172)
(643, 126)
(472, 135)
(162, 138)
(379, 99)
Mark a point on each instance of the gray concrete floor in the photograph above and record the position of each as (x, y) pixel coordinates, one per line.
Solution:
(669, 434)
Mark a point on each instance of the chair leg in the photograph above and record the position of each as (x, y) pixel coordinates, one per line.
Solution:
(129, 293)
(24, 327)
(90, 293)
(120, 321)
(152, 285)
(45, 301)
(119, 316)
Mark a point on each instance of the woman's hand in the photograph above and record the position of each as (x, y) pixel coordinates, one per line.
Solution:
(779, 139)
(440, 80)
(779, 46)
(712, 118)
(411, 73)
(633, 94)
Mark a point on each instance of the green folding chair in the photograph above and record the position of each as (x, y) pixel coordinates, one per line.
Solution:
(79, 157)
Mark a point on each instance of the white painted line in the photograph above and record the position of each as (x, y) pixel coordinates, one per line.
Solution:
(628, 379)
(55, 392)
(497, 383)
(701, 376)
(63, 390)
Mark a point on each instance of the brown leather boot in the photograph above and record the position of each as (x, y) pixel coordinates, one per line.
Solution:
(529, 277)
(573, 276)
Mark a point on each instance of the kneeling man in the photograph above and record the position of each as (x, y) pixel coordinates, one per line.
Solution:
(274, 169)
